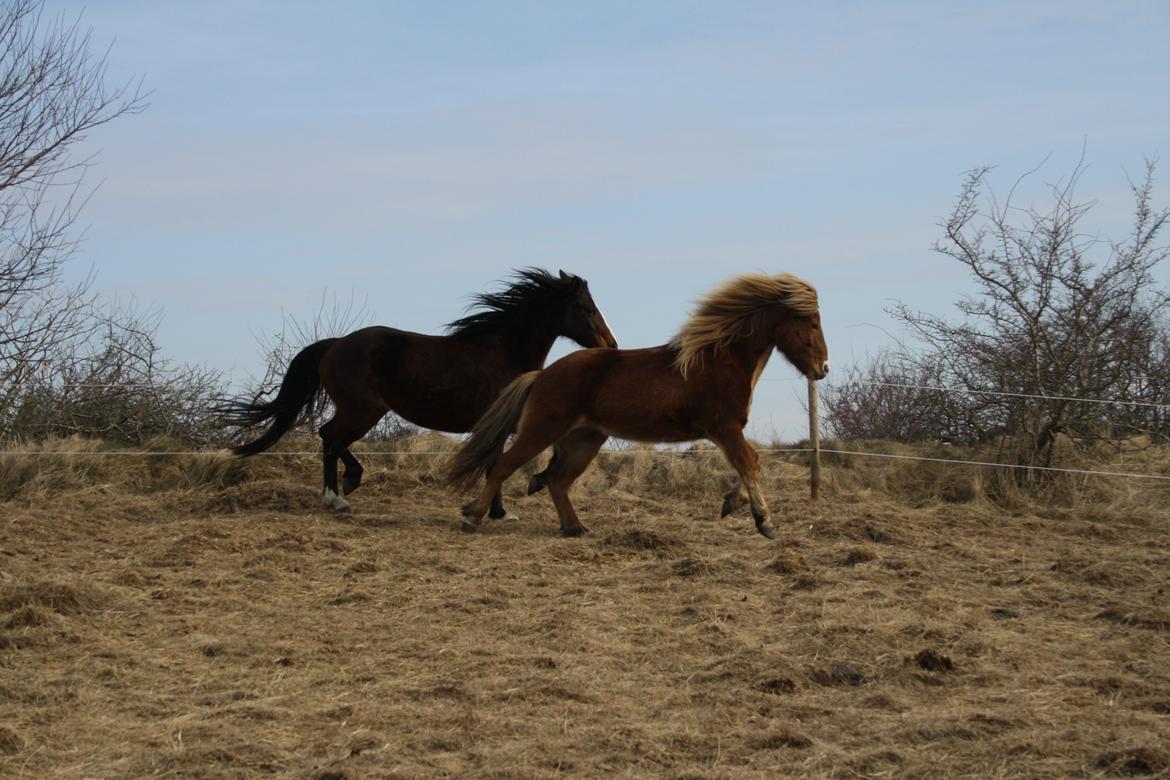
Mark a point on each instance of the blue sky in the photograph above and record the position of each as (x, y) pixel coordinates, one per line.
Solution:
(410, 154)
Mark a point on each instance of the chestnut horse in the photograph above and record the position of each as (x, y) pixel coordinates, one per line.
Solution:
(439, 382)
(697, 386)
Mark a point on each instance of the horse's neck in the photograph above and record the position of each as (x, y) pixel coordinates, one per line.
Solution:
(527, 344)
(751, 356)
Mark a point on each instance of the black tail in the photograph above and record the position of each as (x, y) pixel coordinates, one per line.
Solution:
(299, 390)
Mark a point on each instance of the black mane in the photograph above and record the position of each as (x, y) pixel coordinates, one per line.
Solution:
(533, 290)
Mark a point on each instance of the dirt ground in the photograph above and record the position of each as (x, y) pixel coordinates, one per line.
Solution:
(165, 617)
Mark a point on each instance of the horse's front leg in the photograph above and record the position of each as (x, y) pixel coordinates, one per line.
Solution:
(746, 462)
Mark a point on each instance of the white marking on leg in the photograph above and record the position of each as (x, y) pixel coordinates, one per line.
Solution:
(334, 501)
(510, 517)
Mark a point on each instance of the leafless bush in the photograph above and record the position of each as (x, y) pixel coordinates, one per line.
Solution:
(889, 398)
(1057, 315)
(115, 385)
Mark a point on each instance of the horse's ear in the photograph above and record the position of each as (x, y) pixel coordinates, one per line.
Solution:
(575, 281)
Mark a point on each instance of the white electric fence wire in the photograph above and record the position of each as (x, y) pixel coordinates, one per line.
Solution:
(672, 453)
(904, 385)
(961, 390)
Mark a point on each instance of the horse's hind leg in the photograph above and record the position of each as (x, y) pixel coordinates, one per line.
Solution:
(734, 499)
(347, 426)
(574, 453)
(497, 511)
(529, 441)
(536, 483)
(330, 498)
(539, 481)
(353, 472)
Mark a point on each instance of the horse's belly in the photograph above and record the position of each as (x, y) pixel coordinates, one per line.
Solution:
(653, 429)
(448, 412)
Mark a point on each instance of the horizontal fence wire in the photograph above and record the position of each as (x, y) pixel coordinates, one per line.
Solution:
(965, 391)
(675, 453)
(904, 385)
(672, 453)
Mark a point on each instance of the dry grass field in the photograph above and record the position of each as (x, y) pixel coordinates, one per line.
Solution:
(199, 617)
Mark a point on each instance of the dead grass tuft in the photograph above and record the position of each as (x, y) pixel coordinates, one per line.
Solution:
(933, 661)
(838, 674)
(55, 596)
(787, 563)
(859, 555)
(702, 566)
(778, 740)
(776, 685)
(10, 741)
(27, 616)
(1136, 762)
(1153, 620)
(641, 540)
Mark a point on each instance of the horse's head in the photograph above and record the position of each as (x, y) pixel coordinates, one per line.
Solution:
(581, 320)
(801, 340)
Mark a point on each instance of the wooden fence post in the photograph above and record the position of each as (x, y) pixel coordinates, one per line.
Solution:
(814, 438)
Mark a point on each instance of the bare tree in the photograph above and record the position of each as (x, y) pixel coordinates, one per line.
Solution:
(53, 91)
(1057, 314)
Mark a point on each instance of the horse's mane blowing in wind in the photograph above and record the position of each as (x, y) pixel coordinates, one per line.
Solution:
(533, 289)
(733, 309)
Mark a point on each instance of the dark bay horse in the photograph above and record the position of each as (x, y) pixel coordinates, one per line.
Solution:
(440, 382)
(698, 386)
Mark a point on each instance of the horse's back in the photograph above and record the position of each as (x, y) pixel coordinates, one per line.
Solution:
(437, 382)
(628, 393)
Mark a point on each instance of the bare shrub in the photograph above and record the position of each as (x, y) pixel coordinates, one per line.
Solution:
(115, 385)
(890, 398)
(1057, 315)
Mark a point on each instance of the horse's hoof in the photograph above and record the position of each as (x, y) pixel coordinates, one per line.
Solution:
(727, 508)
(469, 527)
(766, 530)
(467, 511)
(348, 487)
(536, 484)
(509, 517)
(571, 533)
(331, 500)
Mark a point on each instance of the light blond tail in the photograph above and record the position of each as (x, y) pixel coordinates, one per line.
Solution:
(475, 456)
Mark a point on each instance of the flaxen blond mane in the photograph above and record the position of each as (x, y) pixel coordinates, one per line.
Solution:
(729, 312)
